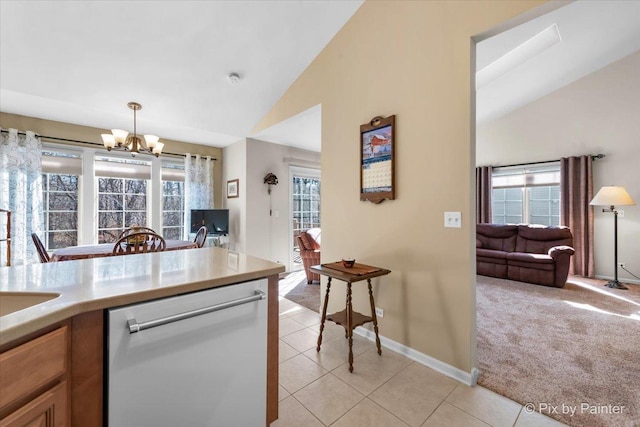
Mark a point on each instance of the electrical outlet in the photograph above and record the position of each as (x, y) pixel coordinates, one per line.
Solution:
(622, 265)
(379, 312)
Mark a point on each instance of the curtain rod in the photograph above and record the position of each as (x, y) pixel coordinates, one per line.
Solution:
(593, 158)
(55, 138)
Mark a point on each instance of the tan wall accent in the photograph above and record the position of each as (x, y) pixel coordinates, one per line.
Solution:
(412, 59)
(90, 134)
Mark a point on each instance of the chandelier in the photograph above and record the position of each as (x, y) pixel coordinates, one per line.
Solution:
(120, 140)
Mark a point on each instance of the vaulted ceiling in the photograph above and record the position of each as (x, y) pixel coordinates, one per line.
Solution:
(81, 62)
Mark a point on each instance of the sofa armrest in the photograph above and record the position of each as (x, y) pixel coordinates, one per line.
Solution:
(557, 251)
(561, 255)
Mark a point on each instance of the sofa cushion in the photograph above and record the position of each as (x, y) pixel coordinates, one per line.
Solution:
(310, 238)
(529, 258)
(497, 236)
(491, 254)
(540, 238)
(315, 234)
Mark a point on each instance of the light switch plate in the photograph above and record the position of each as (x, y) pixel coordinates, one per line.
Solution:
(453, 219)
(620, 214)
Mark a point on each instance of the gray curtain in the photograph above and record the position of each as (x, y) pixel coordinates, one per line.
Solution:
(576, 191)
(483, 194)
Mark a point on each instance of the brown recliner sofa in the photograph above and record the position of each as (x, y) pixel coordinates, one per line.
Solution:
(309, 244)
(526, 253)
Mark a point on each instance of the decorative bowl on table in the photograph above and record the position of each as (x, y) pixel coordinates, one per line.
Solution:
(136, 240)
(348, 262)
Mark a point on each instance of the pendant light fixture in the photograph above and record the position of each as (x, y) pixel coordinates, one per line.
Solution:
(121, 140)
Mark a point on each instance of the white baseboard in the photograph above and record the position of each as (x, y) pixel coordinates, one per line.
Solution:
(468, 378)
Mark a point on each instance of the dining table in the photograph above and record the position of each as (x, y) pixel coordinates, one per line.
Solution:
(106, 249)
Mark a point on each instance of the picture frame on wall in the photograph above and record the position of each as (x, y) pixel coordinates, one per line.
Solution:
(377, 158)
(233, 189)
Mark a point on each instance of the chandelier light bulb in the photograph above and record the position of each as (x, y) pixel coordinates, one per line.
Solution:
(120, 135)
(151, 141)
(109, 140)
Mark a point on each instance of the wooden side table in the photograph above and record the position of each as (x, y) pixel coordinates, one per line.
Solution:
(348, 318)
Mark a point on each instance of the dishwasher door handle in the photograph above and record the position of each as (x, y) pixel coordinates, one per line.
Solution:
(134, 326)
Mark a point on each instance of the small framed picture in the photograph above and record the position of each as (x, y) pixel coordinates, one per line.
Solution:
(232, 188)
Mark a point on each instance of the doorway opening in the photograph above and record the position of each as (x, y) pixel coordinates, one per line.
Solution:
(305, 208)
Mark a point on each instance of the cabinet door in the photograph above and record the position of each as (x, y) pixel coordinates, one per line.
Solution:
(47, 410)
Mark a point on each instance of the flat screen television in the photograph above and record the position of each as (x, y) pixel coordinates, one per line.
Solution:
(216, 220)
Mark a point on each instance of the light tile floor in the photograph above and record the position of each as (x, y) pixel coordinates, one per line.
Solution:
(317, 389)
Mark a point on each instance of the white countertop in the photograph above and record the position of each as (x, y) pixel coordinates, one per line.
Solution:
(99, 283)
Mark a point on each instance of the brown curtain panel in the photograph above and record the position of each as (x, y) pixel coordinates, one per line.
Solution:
(576, 191)
(483, 194)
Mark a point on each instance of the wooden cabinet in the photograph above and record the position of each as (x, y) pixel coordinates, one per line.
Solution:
(34, 390)
(47, 410)
(55, 378)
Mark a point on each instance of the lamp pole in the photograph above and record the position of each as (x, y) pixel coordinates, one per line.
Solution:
(613, 196)
(615, 283)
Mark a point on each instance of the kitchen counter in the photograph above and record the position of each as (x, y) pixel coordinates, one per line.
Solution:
(94, 284)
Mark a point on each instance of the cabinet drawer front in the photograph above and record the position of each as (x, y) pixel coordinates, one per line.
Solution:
(32, 365)
(47, 410)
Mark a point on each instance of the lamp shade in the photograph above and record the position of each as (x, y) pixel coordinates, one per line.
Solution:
(612, 196)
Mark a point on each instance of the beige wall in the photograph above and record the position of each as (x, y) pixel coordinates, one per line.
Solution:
(599, 113)
(412, 59)
(257, 233)
(235, 167)
(89, 134)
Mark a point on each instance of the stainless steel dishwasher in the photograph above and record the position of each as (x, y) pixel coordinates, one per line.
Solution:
(197, 359)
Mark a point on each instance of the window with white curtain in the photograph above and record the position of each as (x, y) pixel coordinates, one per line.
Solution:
(122, 186)
(526, 194)
(90, 196)
(61, 178)
(172, 200)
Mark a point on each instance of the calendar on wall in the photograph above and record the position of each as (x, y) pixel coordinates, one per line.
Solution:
(377, 172)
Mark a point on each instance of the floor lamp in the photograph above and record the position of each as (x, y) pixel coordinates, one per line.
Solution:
(613, 196)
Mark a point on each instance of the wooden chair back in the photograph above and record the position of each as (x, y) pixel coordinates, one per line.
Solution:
(42, 251)
(201, 236)
(139, 242)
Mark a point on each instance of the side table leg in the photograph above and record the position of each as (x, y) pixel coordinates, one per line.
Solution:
(350, 326)
(324, 314)
(373, 316)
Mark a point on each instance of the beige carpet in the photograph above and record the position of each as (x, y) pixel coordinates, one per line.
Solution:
(572, 349)
(294, 287)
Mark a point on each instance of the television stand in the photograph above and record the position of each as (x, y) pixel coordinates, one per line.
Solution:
(214, 240)
(219, 240)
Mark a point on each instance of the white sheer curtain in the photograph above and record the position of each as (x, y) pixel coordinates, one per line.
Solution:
(198, 186)
(21, 191)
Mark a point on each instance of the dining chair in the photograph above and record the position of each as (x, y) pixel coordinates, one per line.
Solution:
(201, 236)
(139, 242)
(42, 251)
(136, 229)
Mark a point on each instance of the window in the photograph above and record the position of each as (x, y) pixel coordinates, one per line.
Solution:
(526, 195)
(172, 200)
(122, 196)
(60, 189)
(305, 206)
(306, 203)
